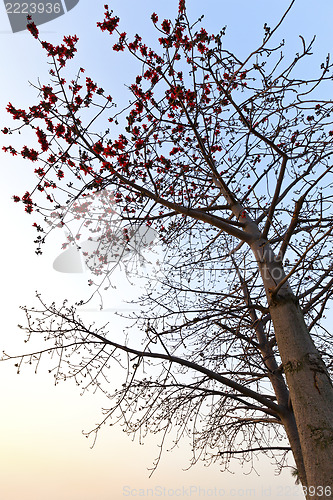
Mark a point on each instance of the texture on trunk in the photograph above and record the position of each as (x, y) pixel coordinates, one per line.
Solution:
(310, 387)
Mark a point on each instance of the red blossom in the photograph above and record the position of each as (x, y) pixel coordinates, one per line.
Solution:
(33, 29)
(98, 147)
(10, 149)
(38, 227)
(120, 46)
(17, 113)
(143, 49)
(91, 87)
(26, 198)
(166, 26)
(139, 143)
(62, 51)
(202, 48)
(51, 159)
(121, 143)
(85, 168)
(181, 7)
(110, 23)
(42, 139)
(40, 172)
(49, 94)
(31, 154)
(60, 130)
(134, 45)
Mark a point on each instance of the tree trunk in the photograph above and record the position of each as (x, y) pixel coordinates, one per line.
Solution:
(310, 387)
(311, 393)
(289, 423)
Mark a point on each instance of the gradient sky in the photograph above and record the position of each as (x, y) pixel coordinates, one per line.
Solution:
(43, 453)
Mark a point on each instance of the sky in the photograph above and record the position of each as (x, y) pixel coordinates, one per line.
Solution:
(43, 452)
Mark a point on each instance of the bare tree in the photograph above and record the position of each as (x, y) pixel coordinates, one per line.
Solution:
(229, 160)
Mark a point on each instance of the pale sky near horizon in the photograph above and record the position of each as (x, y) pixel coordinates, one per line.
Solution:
(43, 453)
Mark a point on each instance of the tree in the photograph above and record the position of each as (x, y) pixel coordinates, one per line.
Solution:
(229, 161)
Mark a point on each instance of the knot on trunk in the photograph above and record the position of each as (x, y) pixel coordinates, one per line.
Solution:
(281, 297)
(323, 436)
(317, 365)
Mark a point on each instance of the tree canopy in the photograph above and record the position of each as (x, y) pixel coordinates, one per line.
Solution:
(228, 160)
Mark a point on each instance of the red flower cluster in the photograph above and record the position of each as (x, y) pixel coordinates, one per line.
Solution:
(91, 87)
(26, 198)
(42, 139)
(110, 23)
(49, 94)
(98, 148)
(60, 130)
(9, 149)
(133, 156)
(166, 26)
(174, 151)
(40, 171)
(134, 45)
(181, 7)
(31, 154)
(121, 143)
(17, 113)
(62, 52)
(152, 75)
(120, 46)
(33, 29)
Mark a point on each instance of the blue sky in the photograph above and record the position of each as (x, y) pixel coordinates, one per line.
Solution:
(43, 453)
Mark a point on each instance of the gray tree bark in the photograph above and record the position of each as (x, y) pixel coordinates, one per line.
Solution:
(310, 387)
